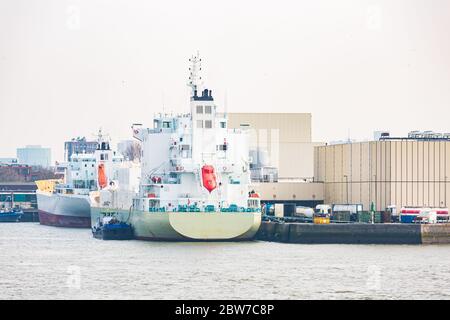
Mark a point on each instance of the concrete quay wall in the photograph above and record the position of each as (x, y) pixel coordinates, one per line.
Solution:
(354, 233)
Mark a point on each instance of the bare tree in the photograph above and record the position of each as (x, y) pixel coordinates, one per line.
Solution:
(40, 173)
(133, 151)
(8, 174)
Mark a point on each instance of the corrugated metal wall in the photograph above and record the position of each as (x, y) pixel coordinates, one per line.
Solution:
(286, 191)
(400, 172)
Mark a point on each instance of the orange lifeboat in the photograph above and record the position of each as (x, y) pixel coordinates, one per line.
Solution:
(102, 179)
(209, 178)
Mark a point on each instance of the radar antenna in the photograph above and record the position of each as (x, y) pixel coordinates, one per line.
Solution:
(101, 137)
(195, 79)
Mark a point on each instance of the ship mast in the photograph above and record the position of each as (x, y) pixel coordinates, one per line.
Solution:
(103, 140)
(195, 79)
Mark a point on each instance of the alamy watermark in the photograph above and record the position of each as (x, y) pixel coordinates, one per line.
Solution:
(74, 277)
(373, 280)
(374, 17)
(73, 21)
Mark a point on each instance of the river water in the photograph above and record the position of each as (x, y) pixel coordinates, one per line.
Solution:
(40, 262)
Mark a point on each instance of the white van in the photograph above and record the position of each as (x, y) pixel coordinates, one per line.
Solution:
(323, 209)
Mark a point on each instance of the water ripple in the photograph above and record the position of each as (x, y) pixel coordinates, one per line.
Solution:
(39, 262)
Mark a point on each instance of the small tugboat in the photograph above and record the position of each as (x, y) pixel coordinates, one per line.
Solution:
(10, 215)
(109, 227)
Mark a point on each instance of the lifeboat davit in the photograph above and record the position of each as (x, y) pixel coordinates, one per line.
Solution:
(209, 178)
(102, 179)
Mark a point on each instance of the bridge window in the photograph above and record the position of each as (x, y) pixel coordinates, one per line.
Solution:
(222, 147)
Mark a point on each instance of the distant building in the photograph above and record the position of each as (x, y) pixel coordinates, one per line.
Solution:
(8, 161)
(281, 144)
(15, 172)
(78, 145)
(22, 195)
(34, 156)
(281, 156)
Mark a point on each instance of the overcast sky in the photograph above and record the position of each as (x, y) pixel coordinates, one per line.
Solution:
(69, 67)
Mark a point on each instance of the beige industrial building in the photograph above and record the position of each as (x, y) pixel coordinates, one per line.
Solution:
(286, 137)
(395, 171)
(410, 171)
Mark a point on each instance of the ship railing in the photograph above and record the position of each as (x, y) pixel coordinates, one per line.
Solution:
(72, 190)
(193, 206)
(160, 130)
(163, 181)
(191, 209)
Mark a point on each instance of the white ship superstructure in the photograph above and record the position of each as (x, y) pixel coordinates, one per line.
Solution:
(67, 203)
(194, 178)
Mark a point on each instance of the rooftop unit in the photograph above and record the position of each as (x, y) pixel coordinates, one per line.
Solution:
(377, 135)
(420, 135)
(428, 134)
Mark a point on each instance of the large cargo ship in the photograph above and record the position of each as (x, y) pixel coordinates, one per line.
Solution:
(195, 177)
(67, 203)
